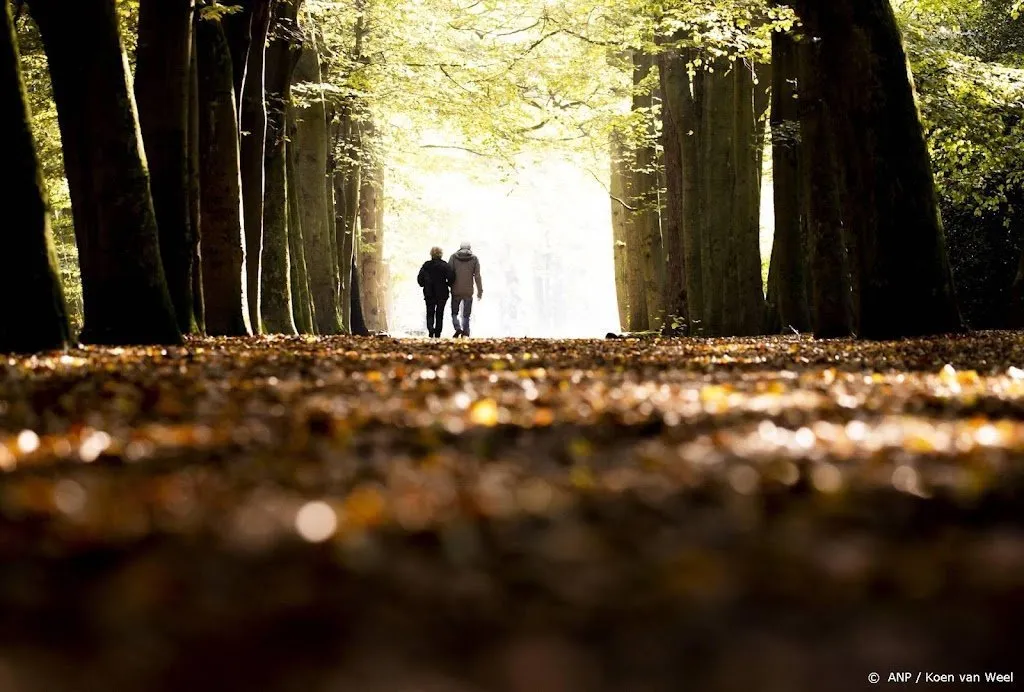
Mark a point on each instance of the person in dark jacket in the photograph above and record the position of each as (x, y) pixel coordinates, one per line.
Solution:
(465, 274)
(436, 278)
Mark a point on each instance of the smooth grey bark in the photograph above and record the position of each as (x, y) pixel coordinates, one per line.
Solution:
(310, 151)
(275, 277)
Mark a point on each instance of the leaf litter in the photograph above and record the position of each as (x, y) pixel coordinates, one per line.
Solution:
(383, 514)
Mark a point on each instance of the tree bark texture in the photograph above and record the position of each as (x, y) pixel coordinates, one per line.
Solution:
(223, 236)
(371, 248)
(123, 284)
(746, 236)
(252, 148)
(670, 65)
(718, 171)
(33, 316)
(646, 187)
(162, 89)
(302, 302)
(902, 281)
(348, 186)
(788, 271)
(831, 311)
(309, 151)
(275, 271)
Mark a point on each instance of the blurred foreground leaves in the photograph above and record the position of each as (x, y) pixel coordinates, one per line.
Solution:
(563, 516)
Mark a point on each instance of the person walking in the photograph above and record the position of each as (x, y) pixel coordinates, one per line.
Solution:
(466, 269)
(436, 277)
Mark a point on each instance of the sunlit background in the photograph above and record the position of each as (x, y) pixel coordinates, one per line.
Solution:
(542, 232)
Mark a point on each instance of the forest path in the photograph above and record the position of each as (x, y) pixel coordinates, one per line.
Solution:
(385, 515)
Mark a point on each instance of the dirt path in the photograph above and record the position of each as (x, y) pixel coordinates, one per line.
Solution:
(378, 515)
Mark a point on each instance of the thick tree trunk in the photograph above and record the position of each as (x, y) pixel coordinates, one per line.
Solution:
(302, 302)
(821, 201)
(253, 138)
(162, 89)
(125, 292)
(33, 316)
(788, 272)
(275, 281)
(194, 188)
(310, 145)
(903, 283)
(620, 219)
(371, 248)
(647, 185)
(718, 182)
(223, 237)
(670, 65)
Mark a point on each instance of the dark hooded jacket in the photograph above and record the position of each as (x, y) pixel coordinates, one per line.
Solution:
(467, 272)
(436, 278)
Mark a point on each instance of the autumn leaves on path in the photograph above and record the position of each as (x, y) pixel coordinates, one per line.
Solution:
(725, 512)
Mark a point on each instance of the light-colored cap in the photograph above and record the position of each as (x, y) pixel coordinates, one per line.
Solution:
(465, 246)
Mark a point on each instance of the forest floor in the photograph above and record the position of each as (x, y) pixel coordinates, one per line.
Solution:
(380, 515)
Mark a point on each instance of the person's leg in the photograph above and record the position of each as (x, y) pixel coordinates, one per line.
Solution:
(439, 325)
(467, 310)
(430, 317)
(456, 301)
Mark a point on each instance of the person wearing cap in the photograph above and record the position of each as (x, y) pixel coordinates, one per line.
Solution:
(466, 269)
(436, 278)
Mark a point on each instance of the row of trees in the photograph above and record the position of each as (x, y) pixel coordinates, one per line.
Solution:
(224, 195)
(289, 189)
(859, 246)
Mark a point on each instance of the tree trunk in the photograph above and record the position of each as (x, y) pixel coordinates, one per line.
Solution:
(646, 172)
(223, 237)
(194, 189)
(123, 285)
(670, 65)
(692, 128)
(903, 282)
(342, 241)
(371, 250)
(788, 271)
(358, 327)
(347, 180)
(275, 274)
(33, 316)
(310, 144)
(620, 214)
(746, 232)
(718, 183)
(162, 87)
(253, 139)
(238, 33)
(302, 302)
(830, 286)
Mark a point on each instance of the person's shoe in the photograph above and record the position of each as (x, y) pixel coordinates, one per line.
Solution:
(458, 334)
